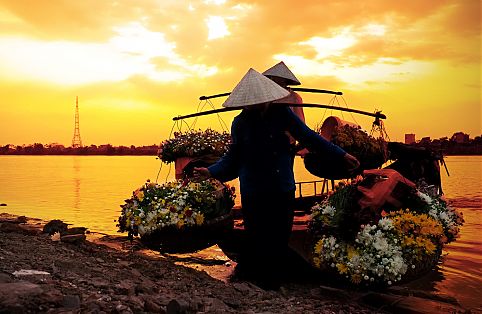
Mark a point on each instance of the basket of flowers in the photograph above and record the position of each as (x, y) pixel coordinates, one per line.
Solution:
(370, 151)
(183, 147)
(396, 244)
(179, 216)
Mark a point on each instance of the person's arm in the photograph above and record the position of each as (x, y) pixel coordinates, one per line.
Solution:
(309, 138)
(315, 143)
(226, 169)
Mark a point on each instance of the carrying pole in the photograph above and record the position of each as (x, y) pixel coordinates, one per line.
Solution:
(366, 113)
(296, 89)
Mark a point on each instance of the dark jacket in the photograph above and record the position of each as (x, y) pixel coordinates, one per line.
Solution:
(260, 153)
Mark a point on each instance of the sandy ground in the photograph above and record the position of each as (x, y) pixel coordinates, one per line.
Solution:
(42, 273)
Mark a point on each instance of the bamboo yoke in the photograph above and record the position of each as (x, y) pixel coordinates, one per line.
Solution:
(377, 114)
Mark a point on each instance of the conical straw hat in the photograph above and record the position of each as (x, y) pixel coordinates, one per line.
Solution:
(281, 70)
(254, 88)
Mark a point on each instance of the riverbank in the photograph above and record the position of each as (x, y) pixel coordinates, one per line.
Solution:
(42, 273)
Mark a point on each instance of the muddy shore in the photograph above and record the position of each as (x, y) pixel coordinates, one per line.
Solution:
(106, 274)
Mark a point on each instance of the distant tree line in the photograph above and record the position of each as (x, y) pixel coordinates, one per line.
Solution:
(57, 149)
(459, 144)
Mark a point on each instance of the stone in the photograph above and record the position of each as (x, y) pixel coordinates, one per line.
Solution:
(99, 283)
(52, 296)
(54, 226)
(123, 263)
(232, 302)
(21, 219)
(136, 273)
(125, 288)
(74, 230)
(123, 309)
(146, 286)
(12, 227)
(73, 238)
(151, 306)
(214, 305)
(5, 278)
(178, 306)
(71, 301)
(30, 272)
(12, 293)
(136, 302)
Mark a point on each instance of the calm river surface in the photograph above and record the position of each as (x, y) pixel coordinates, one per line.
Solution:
(87, 191)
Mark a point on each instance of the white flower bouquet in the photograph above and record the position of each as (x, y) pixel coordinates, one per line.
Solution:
(156, 210)
(396, 245)
(194, 144)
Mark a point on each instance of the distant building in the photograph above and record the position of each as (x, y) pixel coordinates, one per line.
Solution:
(409, 138)
(460, 138)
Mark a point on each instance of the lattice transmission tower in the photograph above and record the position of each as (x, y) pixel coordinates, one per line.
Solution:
(76, 141)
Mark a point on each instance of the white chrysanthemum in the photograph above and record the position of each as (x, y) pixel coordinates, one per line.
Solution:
(380, 244)
(328, 210)
(385, 223)
(427, 199)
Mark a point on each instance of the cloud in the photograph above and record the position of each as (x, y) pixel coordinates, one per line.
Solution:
(217, 27)
(130, 52)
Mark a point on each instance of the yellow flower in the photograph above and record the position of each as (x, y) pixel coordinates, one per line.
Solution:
(180, 223)
(342, 268)
(319, 247)
(356, 278)
(317, 261)
(351, 252)
(199, 219)
(140, 195)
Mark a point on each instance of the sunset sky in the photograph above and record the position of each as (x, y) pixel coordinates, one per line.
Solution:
(135, 64)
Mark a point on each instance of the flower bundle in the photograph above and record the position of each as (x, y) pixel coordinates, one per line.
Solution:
(194, 144)
(370, 151)
(385, 250)
(174, 205)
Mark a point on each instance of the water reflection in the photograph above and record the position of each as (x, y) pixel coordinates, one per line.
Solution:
(76, 180)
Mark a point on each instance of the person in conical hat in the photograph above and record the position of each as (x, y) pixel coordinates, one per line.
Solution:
(282, 75)
(260, 156)
(254, 89)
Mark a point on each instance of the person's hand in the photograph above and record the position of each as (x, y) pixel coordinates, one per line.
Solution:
(200, 174)
(351, 162)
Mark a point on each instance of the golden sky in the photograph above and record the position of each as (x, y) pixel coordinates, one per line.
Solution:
(135, 64)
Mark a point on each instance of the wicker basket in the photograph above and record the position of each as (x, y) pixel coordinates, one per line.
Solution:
(189, 239)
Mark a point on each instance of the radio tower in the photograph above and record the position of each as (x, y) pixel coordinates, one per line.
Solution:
(76, 141)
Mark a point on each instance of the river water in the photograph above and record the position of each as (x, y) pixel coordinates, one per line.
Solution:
(88, 190)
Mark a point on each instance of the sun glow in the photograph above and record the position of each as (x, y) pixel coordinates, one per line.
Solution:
(131, 51)
(217, 27)
(333, 46)
(375, 29)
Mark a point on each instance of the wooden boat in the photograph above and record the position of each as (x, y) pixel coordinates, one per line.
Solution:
(302, 240)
